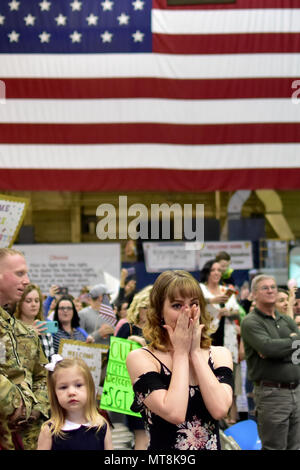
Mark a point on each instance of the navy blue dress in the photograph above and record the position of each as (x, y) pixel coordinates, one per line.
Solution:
(83, 438)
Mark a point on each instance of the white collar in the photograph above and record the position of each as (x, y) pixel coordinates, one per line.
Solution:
(70, 426)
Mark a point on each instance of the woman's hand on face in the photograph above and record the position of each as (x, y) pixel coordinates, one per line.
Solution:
(197, 329)
(181, 336)
(39, 328)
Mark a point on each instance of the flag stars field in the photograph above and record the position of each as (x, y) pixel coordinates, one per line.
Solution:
(45, 5)
(44, 37)
(14, 5)
(107, 5)
(123, 19)
(76, 5)
(92, 20)
(75, 36)
(29, 20)
(106, 36)
(61, 20)
(138, 5)
(138, 36)
(13, 36)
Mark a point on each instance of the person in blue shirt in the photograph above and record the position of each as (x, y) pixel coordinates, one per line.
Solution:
(68, 322)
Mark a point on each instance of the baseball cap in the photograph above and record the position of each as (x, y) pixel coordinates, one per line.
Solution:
(98, 289)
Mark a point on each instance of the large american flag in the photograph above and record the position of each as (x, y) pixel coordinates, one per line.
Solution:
(138, 95)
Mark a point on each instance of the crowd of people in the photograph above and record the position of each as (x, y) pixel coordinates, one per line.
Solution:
(186, 375)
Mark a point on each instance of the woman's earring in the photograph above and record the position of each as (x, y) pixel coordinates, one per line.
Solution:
(162, 321)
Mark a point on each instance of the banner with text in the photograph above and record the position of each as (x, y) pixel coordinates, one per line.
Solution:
(90, 353)
(239, 251)
(117, 392)
(12, 213)
(191, 256)
(73, 265)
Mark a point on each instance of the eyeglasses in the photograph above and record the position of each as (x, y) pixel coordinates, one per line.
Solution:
(65, 308)
(265, 288)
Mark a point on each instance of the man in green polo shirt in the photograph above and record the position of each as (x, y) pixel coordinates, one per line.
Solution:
(270, 339)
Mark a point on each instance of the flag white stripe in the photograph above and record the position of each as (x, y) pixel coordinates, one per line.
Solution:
(149, 65)
(150, 111)
(185, 157)
(226, 22)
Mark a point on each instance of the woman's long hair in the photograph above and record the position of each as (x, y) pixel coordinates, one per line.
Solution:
(58, 414)
(27, 290)
(169, 285)
(75, 322)
(206, 269)
(141, 299)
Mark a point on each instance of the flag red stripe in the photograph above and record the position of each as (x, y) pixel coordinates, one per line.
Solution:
(181, 134)
(237, 5)
(37, 88)
(149, 180)
(226, 43)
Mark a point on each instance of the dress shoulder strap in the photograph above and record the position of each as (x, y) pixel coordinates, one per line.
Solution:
(161, 363)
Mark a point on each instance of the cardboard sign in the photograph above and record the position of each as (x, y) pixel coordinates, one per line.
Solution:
(90, 353)
(12, 213)
(117, 392)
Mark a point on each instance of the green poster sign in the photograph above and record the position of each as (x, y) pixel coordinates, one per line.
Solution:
(117, 394)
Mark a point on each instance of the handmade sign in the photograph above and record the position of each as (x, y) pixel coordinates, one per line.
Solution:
(12, 213)
(91, 353)
(117, 394)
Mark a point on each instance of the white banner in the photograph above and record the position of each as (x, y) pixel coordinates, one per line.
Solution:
(239, 251)
(192, 256)
(169, 255)
(73, 265)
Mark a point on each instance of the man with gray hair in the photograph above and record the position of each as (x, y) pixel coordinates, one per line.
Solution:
(269, 340)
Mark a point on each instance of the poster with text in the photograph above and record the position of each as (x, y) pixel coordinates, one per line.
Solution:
(90, 353)
(117, 394)
(74, 265)
(12, 213)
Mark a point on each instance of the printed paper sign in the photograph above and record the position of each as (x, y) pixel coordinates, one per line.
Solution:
(89, 352)
(117, 392)
(73, 265)
(191, 256)
(12, 213)
(239, 251)
(169, 255)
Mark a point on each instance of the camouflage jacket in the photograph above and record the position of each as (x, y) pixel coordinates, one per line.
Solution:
(22, 371)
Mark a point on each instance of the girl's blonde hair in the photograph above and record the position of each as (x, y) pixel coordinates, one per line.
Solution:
(169, 285)
(58, 414)
(140, 300)
(27, 290)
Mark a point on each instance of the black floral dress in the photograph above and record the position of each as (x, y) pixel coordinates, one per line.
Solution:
(199, 431)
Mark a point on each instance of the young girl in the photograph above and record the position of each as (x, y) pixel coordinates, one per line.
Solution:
(182, 385)
(75, 422)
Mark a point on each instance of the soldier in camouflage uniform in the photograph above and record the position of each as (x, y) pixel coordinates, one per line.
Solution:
(23, 384)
